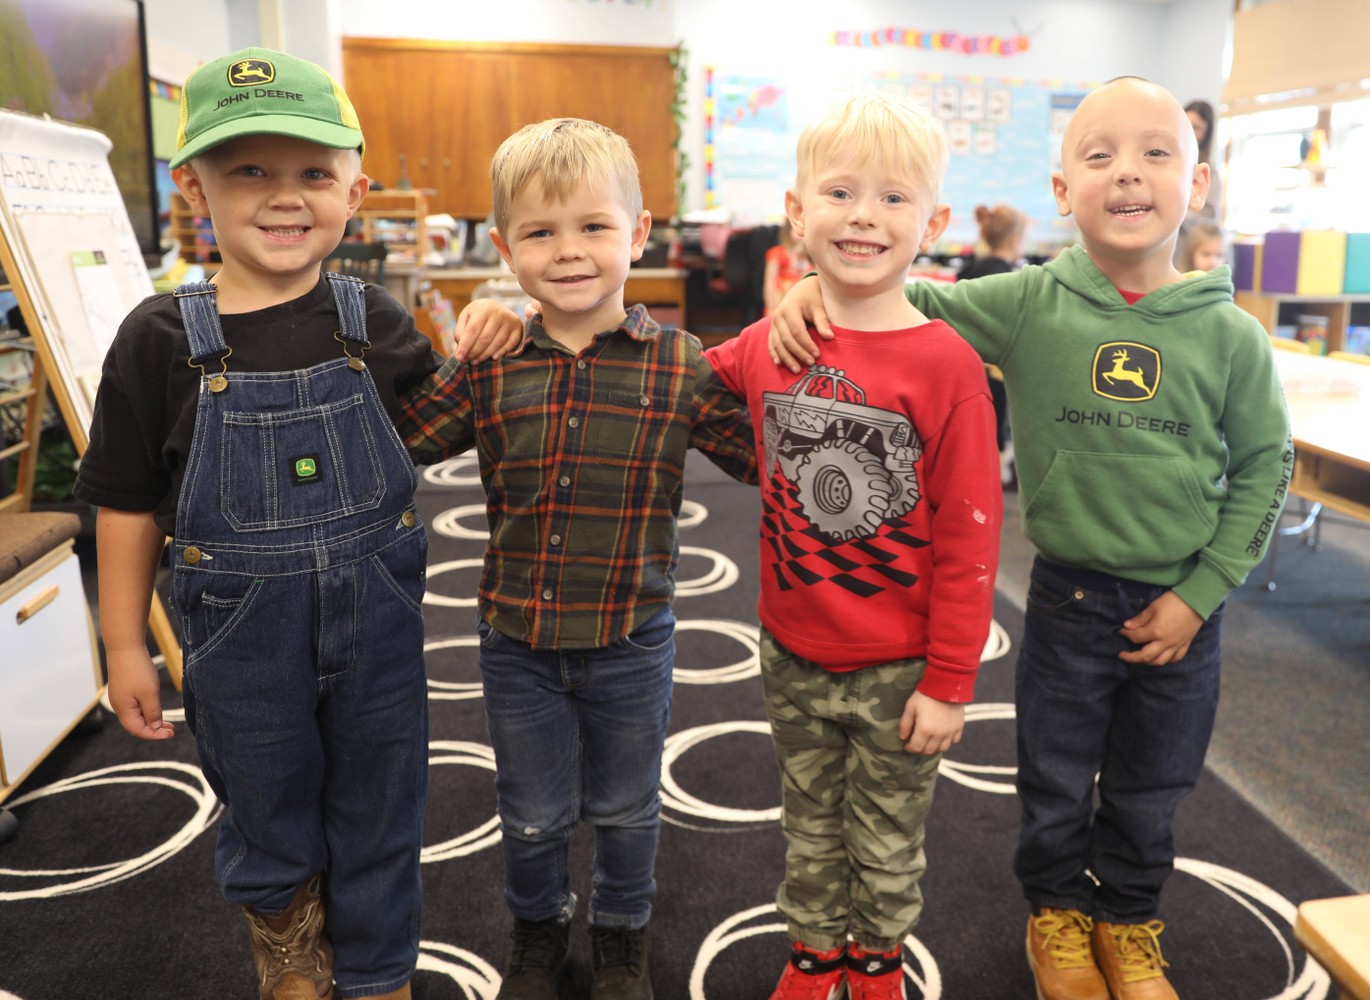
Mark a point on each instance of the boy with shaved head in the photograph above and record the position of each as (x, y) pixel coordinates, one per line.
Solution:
(1153, 459)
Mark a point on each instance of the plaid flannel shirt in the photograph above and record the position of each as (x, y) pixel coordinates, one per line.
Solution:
(582, 458)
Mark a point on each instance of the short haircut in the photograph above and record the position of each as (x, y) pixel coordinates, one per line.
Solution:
(889, 129)
(564, 153)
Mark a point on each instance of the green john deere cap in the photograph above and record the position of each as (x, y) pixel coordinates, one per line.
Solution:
(256, 91)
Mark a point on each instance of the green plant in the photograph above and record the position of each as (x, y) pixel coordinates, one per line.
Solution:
(680, 64)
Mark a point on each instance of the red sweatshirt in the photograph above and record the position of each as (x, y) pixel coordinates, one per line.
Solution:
(881, 499)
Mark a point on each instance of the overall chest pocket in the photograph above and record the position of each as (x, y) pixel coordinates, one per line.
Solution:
(299, 467)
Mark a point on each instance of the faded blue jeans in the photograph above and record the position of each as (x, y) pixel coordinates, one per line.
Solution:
(1143, 730)
(578, 735)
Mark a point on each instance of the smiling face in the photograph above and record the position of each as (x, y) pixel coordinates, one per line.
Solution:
(278, 205)
(863, 221)
(572, 255)
(1128, 176)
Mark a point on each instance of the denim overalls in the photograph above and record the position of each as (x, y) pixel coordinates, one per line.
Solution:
(297, 580)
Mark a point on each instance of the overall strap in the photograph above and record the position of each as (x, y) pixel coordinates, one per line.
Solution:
(349, 294)
(200, 316)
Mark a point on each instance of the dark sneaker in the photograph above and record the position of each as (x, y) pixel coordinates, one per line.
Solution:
(1130, 959)
(293, 957)
(536, 961)
(813, 975)
(1061, 958)
(620, 964)
(875, 975)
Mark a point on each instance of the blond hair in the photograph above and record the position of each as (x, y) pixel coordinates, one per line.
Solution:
(1201, 232)
(564, 153)
(999, 227)
(891, 130)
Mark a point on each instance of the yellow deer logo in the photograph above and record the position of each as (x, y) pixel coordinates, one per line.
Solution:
(249, 71)
(1121, 373)
(1126, 371)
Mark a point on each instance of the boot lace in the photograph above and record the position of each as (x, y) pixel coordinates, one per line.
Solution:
(1139, 951)
(537, 945)
(616, 948)
(1067, 938)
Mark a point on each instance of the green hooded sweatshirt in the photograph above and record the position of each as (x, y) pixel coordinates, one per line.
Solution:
(1151, 439)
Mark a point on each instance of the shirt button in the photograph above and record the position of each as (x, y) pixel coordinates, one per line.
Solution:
(555, 539)
(191, 555)
(574, 422)
(547, 593)
(643, 400)
(564, 481)
(580, 363)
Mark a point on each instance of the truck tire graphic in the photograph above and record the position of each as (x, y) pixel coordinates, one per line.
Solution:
(847, 493)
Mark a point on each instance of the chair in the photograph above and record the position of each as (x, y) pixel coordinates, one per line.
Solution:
(362, 260)
(742, 268)
(1360, 359)
(1289, 344)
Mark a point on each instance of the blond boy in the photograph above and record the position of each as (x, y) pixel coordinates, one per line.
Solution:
(878, 548)
(581, 431)
(1153, 458)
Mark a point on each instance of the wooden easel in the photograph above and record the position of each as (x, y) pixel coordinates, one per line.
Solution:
(48, 374)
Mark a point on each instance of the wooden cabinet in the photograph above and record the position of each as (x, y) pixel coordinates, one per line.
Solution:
(448, 105)
(1265, 306)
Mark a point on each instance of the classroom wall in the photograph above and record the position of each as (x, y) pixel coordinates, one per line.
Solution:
(1181, 44)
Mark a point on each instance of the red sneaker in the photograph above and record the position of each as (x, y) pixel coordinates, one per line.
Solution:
(812, 975)
(876, 975)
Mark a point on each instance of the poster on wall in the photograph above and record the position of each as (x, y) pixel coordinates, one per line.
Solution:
(1004, 135)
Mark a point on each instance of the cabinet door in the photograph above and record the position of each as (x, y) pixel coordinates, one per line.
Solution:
(47, 672)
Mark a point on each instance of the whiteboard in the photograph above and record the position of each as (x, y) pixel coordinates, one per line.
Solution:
(75, 251)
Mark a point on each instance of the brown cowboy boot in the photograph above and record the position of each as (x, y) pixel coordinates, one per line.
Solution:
(294, 960)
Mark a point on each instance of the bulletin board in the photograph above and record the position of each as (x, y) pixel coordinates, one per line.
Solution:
(72, 251)
(1004, 133)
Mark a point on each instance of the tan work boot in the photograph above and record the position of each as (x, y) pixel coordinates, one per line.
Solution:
(1059, 954)
(294, 960)
(1130, 958)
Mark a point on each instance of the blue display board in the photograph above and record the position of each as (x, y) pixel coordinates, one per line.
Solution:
(1005, 137)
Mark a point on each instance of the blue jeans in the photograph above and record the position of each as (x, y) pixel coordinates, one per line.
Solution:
(578, 734)
(1082, 712)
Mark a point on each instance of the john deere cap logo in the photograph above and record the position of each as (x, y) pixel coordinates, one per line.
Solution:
(250, 72)
(1127, 372)
(305, 470)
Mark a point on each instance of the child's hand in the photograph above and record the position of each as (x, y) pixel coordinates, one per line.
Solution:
(931, 726)
(486, 329)
(1163, 630)
(791, 343)
(134, 694)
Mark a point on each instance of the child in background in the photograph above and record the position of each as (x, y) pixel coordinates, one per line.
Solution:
(1149, 493)
(879, 541)
(234, 418)
(998, 252)
(785, 264)
(1204, 248)
(581, 431)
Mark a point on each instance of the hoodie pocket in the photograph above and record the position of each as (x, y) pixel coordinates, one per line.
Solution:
(1115, 512)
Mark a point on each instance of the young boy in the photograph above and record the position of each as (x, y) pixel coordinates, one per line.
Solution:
(581, 432)
(232, 417)
(879, 542)
(1153, 459)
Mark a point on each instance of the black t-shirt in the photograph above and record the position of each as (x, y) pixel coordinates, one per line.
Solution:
(980, 267)
(144, 418)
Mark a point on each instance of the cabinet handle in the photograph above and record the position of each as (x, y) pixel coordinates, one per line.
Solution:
(37, 604)
(423, 161)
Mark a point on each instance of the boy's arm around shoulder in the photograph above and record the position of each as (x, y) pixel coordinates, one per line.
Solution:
(720, 422)
(1255, 429)
(437, 417)
(987, 312)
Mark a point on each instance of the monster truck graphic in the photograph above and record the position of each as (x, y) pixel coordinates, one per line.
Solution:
(851, 464)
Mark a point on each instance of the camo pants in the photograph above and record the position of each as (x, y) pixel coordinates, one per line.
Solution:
(854, 799)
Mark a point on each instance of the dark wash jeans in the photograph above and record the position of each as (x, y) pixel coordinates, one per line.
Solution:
(578, 734)
(1082, 712)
